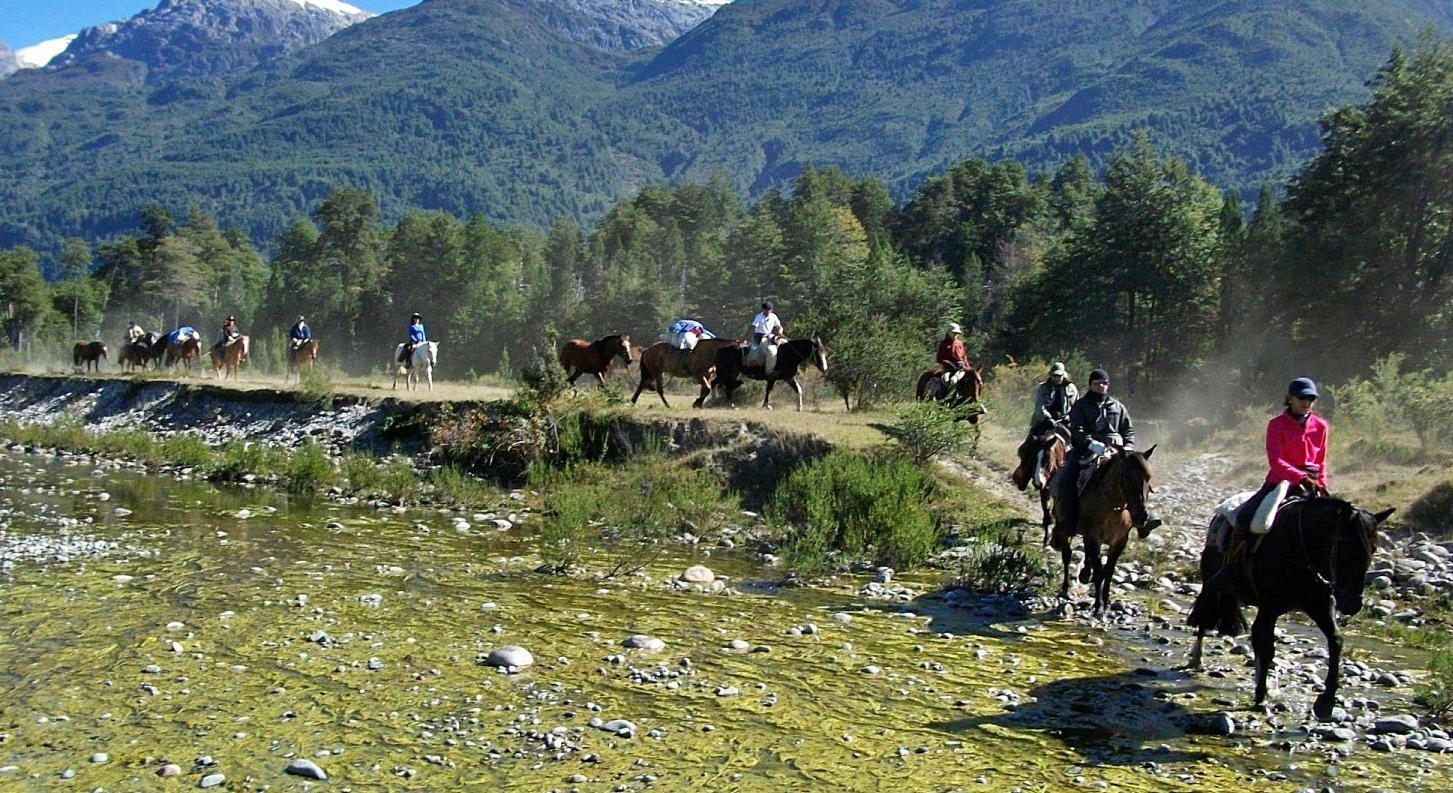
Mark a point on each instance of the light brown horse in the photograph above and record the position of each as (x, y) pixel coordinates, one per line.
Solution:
(185, 352)
(88, 355)
(229, 358)
(1112, 503)
(1040, 457)
(699, 364)
(300, 355)
(579, 356)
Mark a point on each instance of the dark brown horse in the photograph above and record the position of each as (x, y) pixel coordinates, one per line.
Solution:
(792, 356)
(300, 355)
(699, 364)
(1113, 503)
(88, 355)
(1040, 457)
(1314, 559)
(186, 352)
(579, 356)
(140, 353)
(969, 388)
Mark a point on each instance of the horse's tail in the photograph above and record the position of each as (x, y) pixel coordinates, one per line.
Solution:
(1217, 608)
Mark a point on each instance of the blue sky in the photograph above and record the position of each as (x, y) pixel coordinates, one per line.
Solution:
(27, 22)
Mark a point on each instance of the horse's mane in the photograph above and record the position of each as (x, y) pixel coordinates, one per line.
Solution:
(601, 344)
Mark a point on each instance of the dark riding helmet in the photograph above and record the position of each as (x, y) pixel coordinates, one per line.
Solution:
(231, 318)
(1098, 375)
(416, 316)
(1303, 387)
(766, 305)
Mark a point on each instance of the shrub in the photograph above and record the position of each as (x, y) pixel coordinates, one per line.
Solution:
(308, 468)
(186, 450)
(1000, 560)
(928, 429)
(238, 458)
(852, 505)
(361, 471)
(541, 381)
(453, 485)
(1436, 693)
(570, 505)
(1433, 511)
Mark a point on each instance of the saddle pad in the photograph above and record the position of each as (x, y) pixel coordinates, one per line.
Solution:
(1227, 508)
(1266, 513)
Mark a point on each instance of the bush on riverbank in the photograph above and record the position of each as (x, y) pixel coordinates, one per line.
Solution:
(847, 506)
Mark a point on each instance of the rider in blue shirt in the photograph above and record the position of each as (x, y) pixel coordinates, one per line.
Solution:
(416, 337)
(301, 333)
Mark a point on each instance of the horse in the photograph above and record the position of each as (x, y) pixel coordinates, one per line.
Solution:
(1041, 455)
(184, 352)
(579, 356)
(969, 388)
(140, 353)
(229, 358)
(1314, 560)
(1112, 503)
(425, 356)
(698, 363)
(300, 355)
(791, 357)
(88, 355)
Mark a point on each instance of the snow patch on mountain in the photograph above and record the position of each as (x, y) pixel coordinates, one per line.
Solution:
(43, 53)
(334, 6)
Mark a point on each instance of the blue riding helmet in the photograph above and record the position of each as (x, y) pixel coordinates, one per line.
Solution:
(1303, 387)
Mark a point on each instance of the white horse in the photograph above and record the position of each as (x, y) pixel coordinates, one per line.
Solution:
(423, 357)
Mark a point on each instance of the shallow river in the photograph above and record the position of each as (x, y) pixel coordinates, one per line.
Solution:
(198, 640)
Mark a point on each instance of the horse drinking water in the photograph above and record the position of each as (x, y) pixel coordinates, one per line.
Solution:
(579, 356)
(1313, 560)
(424, 358)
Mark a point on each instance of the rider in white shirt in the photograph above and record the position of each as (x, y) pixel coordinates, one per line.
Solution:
(766, 327)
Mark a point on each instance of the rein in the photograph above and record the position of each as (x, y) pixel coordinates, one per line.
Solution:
(1307, 556)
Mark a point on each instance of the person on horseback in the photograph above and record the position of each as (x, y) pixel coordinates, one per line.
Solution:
(417, 336)
(685, 333)
(134, 333)
(300, 334)
(227, 334)
(1053, 400)
(952, 358)
(1296, 451)
(765, 328)
(1099, 424)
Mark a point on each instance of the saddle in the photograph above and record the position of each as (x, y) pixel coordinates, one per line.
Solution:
(1088, 470)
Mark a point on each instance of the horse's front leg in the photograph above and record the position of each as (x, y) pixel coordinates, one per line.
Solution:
(1047, 517)
(574, 374)
(1064, 555)
(1091, 567)
(798, 388)
(1194, 662)
(1263, 647)
(600, 378)
(1327, 621)
(767, 397)
(1107, 573)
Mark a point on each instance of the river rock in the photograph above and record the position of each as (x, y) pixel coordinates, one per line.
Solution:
(621, 727)
(510, 655)
(100, 757)
(738, 644)
(698, 574)
(212, 780)
(641, 641)
(1401, 724)
(169, 770)
(305, 768)
(1221, 724)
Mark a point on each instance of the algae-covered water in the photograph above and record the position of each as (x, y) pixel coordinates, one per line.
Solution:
(231, 645)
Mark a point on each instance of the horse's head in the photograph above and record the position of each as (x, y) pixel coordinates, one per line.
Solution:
(1135, 478)
(623, 350)
(246, 346)
(1356, 543)
(819, 355)
(104, 356)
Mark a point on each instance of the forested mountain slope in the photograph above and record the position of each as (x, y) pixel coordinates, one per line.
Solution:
(493, 106)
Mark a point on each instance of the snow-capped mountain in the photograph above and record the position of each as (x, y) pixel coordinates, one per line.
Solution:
(8, 63)
(213, 36)
(43, 53)
(620, 25)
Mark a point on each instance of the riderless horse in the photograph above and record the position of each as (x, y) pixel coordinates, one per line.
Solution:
(699, 364)
(88, 354)
(185, 352)
(300, 355)
(579, 356)
(791, 357)
(227, 360)
(1112, 503)
(1313, 560)
(1041, 455)
(424, 358)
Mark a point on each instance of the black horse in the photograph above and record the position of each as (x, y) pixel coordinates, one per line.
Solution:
(140, 353)
(791, 357)
(1314, 559)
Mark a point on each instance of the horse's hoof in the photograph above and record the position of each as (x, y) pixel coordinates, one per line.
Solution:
(1322, 708)
(1085, 575)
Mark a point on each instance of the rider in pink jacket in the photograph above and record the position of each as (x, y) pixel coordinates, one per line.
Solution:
(1296, 449)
